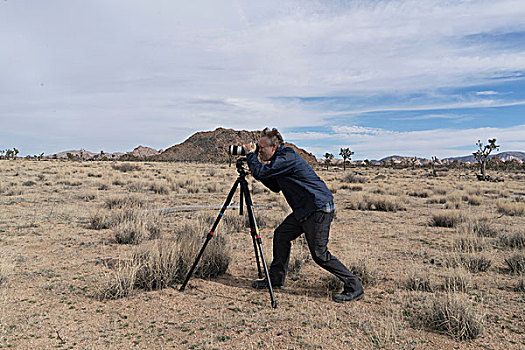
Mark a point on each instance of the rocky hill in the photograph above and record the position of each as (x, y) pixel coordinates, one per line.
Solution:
(212, 146)
(140, 152)
(504, 156)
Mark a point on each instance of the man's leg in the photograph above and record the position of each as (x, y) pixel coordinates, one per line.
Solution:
(317, 229)
(287, 231)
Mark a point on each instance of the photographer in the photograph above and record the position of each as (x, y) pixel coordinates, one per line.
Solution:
(313, 210)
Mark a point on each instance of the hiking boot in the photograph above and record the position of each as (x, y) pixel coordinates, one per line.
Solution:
(347, 296)
(263, 284)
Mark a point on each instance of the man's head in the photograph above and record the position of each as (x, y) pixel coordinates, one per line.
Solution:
(269, 142)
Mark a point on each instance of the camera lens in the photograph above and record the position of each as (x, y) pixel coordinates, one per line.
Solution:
(236, 151)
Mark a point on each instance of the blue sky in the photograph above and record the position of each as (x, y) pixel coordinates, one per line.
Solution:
(381, 77)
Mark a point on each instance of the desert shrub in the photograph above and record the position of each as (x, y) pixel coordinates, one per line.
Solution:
(116, 283)
(475, 262)
(473, 200)
(378, 202)
(6, 268)
(468, 243)
(453, 315)
(29, 183)
(453, 201)
(516, 262)
(437, 200)
(124, 202)
(521, 284)
(419, 281)
(159, 265)
(364, 270)
(125, 167)
(515, 240)
(511, 208)
(159, 188)
(445, 219)
(332, 283)
(384, 331)
(103, 187)
(99, 221)
(420, 193)
(139, 186)
(352, 178)
(440, 191)
(138, 227)
(212, 187)
(300, 254)
(118, 182)
(457, 280)
(87, 196)
(351, 188)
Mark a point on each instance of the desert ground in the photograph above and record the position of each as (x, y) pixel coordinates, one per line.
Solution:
(90, 260)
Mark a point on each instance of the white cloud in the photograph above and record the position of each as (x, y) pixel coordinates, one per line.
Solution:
(487, 93)
(426, 143)
(157, 71)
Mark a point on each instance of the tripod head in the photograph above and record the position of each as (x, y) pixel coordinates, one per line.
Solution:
(241, 169)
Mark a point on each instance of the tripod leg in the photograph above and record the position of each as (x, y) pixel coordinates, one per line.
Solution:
(257, 238)
(210, 234)
(259, 271)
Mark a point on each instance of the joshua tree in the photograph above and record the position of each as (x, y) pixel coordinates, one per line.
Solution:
(328, 159)
(433, 165)
(1, 153)
(346, 154)
(482, 154)
(15, 151)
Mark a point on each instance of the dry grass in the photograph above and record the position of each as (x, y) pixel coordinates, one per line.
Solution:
(511, 208)
(445, 219)
(359, 201)
(516, 262)
(136, 227)
(457, 280)
(125, 167)
(57, 257)
(418, 280)
(6, 268)
(514, 240)
(453, 315)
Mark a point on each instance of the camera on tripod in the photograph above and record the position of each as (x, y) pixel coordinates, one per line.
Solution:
(235, 150)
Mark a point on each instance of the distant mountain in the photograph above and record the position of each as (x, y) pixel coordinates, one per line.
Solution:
(212, 146)
(505, 156)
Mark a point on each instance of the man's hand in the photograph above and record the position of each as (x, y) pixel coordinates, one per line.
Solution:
(250, 147)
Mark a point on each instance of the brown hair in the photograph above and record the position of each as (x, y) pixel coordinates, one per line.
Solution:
(273, 135)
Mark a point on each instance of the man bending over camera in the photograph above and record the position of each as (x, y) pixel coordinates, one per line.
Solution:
(313, 209)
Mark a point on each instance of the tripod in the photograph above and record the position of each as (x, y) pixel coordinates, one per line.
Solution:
(254, 229)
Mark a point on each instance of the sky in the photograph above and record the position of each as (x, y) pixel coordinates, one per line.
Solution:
(413, 78)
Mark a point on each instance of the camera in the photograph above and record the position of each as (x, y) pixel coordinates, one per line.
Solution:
(239, 150)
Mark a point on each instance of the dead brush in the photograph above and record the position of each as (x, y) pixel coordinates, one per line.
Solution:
(300, 255)
(124, 202)
(468, 244)
(384, 330)
(353, 178)
(515, 240)
(511, 208)
(159, 188)
(117, 282)
(452, 314)
(516, 262)
(6, 268)
(159, 264)
(420, 193)
(375, 202)
(125, 167)
(137, 228)
(521, 284)
(445, 219)
(457, 280)
(363, 269)
(474, 262)
(417, 280)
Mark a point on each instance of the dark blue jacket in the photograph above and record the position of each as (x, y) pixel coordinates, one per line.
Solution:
(304, 191)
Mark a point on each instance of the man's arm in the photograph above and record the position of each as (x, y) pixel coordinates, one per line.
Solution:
(281, 165)
(272, 185)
